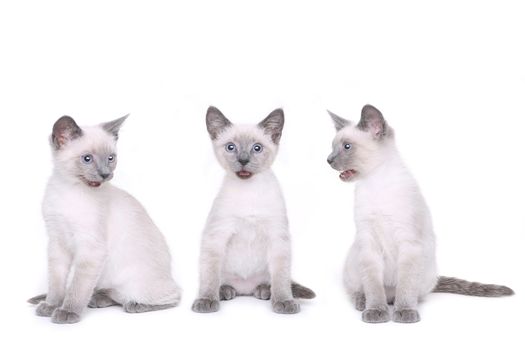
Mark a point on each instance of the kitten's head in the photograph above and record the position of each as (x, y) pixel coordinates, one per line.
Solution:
(359, 148)
(85, 155)
(245, 149)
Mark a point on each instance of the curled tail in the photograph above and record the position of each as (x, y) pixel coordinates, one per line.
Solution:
(37, 299)
(302, 292)
(459, 286)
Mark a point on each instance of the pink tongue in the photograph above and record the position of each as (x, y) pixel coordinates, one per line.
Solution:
(94, 183)
(244, 173)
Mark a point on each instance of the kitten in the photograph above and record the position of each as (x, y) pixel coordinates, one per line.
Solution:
(392, 259)
(246, 246)
(103, 247)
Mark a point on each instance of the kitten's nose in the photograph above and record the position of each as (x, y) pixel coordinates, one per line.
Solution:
(104, 176)
(330, 160)
(244, 161)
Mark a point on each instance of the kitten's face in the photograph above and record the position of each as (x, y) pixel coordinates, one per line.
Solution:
(88, 155)
(245, 150)
(358, 149)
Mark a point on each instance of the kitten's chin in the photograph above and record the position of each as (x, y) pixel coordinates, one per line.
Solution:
(348, 175)
(243, 174)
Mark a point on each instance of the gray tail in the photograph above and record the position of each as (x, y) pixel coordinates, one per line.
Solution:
(459, 286)
(302, 292)
(37, 299)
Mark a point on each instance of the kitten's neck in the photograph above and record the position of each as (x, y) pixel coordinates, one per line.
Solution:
(256, 179)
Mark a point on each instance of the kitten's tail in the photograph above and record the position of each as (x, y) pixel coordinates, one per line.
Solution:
(459, 286)
(299, 291)
(37, 299)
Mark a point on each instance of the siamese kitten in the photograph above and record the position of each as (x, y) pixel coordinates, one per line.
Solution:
(246, 244)
(392, 259)
(103, 247)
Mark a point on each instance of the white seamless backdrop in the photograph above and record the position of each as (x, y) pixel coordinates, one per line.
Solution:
(448, 76)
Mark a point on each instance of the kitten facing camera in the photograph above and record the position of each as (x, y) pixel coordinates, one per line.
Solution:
(392, 259)
(246, 246)
(103, 247)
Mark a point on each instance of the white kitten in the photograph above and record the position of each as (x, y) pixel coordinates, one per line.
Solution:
(103, 247)
(246, 244)
(392, 259)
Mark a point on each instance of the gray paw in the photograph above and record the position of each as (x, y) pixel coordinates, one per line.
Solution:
(63, 316)
(263, 292)
(286, 307)
(44, 309)
(205, 305)
(376, 315)
(101, 299)
(359, 301)
(406, 316)
(134, 308)
(227, 292)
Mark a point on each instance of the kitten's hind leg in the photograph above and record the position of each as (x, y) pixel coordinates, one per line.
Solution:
(263, 292)
(359, 300)
(134, 307)
(227, 292)
(101, 298)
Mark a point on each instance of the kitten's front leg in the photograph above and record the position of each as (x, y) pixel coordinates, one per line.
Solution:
(89, 262)
(371, 268)
(410, 269)
(279, 263)
(59, 264)
(213, 249)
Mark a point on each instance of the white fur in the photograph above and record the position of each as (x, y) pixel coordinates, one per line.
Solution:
(393, 255)
(102, 238)
(246, 241)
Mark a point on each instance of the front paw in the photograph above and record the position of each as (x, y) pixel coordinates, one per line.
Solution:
(44, 309)
(62, 316)
(205, 305)
(376, 315)
(406, 316)
(286, 307)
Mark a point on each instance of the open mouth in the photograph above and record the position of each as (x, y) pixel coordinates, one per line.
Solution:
(348, 175)
(90, 183)
(243, 174)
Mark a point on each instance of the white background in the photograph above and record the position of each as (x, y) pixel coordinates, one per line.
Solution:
(449, 76)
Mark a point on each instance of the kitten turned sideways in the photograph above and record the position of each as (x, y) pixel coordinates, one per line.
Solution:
(103, 247)
(246, 247)
(392, 259)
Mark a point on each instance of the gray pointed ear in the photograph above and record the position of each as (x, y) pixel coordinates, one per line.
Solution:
(65, 130)
(113, 127)
(339, 122)
(372, 121)
(273, 125)
(216, 122)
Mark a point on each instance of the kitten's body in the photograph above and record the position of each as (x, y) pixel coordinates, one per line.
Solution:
(254, 214)
(246, 246)
(392, 259)
(100, 235)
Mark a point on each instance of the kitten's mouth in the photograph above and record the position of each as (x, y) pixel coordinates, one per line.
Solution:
(243, 174)
(348, 175)
(90, 183)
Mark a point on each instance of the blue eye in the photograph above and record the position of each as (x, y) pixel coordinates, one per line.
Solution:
(88, 158)
(230, 147)
(111, 158)
(347, 146)
(257, 147)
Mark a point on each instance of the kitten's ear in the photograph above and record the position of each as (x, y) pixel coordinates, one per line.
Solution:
(273, 125)
(64, 130)
(216, 122)
(113, 127)
(372, 121)
(339, 122)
